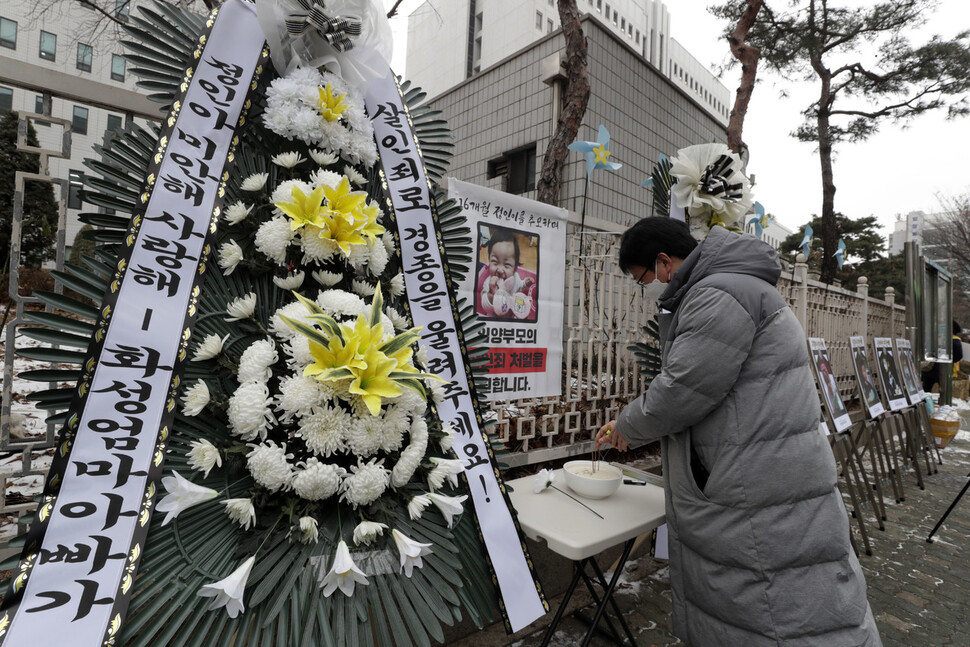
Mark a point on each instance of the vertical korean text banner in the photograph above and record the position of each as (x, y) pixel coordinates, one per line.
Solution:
(516, 284)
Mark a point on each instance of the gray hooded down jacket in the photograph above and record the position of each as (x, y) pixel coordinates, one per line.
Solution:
(760, 553)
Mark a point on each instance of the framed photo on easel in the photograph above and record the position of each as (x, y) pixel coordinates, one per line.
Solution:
(911, 381)
(892, 386)
(834, 404)
(865, 379)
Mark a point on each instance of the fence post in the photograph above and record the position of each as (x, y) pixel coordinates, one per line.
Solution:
(891, 300)
(862, 287)
(801, 272)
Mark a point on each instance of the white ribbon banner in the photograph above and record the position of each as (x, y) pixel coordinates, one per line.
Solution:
(427, 286)
(74, 580)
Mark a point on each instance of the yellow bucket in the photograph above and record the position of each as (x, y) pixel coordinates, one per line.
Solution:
(944, 431)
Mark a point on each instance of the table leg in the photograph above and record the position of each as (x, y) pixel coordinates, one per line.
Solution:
(577, 573)
(608, 597)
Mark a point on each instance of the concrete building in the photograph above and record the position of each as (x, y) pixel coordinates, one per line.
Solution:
(68, 56)
(907, 229)
(452, 40)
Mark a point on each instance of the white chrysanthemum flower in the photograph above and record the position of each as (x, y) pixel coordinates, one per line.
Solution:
(363, 437)
(362, 288)
(195, 399)
(256, 362)
(397, 285)
(341, 304)
(297, 350)
(323, 430)
(412, 455)
(254, 182)
(230, 255)
(327, 279)
(309, 532)
(323, 158)
(398, 320)
(366, 484)
(377, 262)
(437, 393)
(368, 531)
(388, 239)
(417, 504)
(210, 348)
(445, 468)
(273, 237)
(447, 440)
(236, 212)
(284, 190)
(295, 311)
(412, 402)
(395, 421)
(317, 481)
(288, 160)
(354, 175)
(315, 247)
(323, 177)
(203, 455)
(421, 357)
(241, 307)
(269, 465)
(291, 281)
(249, 411)
(298, 396)
(242, 511)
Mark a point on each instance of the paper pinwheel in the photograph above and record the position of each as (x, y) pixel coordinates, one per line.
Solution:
(840, 253)
(806, 243)
(760, 219)
(597, 153)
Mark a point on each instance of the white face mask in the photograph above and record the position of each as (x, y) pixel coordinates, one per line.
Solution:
(653, 290)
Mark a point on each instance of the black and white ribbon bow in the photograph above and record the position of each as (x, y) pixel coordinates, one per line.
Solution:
(337, 31)
(716, 180)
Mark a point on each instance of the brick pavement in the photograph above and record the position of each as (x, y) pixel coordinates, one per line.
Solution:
(918, 591)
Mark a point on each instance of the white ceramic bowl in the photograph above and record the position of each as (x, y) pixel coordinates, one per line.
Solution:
(600, 485)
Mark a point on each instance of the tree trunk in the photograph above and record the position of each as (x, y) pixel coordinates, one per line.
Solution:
(829, 233)
(748, 56)
(574, 104)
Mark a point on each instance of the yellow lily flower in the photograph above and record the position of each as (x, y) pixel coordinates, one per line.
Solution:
(363, 333)
(344, 202)
(373, 382)
(343, 233)
(331, 107)
(335, 355)
(371, 229)
(305, 209)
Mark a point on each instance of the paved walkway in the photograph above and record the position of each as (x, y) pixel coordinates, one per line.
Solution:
(919, 592)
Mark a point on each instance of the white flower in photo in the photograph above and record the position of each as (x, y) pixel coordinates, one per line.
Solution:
(397, 285)
(288, 160)
(323, 177)
(242, 511)
(210, 348)
(203, 455)
(543, 479)
(236, 212)
(254, 182)
(268, 463)
(366, 483)
(241, 307)
(368, 531)
(354, 175)
(362, 288)
(410, 552)
(309, 530)
(182, 494)
(228, 592)
(445, 468)
(317, 481)
(327, 279)
(417, 504)
(249, 411)
(273, 237)
(344, 574)
(195, 399)
(291, 281)
(256, 362)
(230, 255)
(323, 158)
(323, 430)
(448, 505)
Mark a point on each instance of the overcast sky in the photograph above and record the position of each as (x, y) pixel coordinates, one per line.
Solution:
(901, 169)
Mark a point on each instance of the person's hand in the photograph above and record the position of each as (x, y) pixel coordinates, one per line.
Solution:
(528, 282)
(608, 435)
(493, 285)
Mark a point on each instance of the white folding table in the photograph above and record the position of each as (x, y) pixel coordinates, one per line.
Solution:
(574, 532)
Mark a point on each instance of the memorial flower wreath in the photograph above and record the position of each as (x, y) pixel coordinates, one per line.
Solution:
(309, 490)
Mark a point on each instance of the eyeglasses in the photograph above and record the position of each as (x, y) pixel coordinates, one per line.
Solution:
(639, 279)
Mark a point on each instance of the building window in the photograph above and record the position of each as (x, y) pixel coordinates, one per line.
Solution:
(85, 54)
(6, 100)
(114, 122)
(79, 122)
(599, 5)
(638, 37)
(117, 67)
(539, 20)
(74, 190)
(518, 168)
(39, 109)
(122, 7)
(607, 12)
(8, 33)
(48, 46)
(549, 25)
(623, 24)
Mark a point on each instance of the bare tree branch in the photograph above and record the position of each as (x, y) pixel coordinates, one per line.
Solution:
(393, 10)
(748, 56)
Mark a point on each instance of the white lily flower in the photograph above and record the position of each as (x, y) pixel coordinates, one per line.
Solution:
(203, 455)
(327, 279)
(448, 438)
(230, 255)
(210, 348)
(354, 175)
(195, 399)
(254, 182)
(291, 281)
(448, 505)
(323, 158)
(445, 468)
(228, 592)
(288, 160)
(182, 494)
(236, 212)
(344, 574)
(368, 531)
(309, 530)
(241, 308)
(410, 551)
(417, 504)
(543, 479)
(242, 511)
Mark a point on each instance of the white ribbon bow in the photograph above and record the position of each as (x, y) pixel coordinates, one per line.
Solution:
(339, 32)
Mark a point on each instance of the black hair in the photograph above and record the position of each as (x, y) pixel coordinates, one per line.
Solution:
(501, 235)
(642, 242)
(956, 328)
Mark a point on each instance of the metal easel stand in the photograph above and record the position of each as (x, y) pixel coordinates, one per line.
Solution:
(929, 538)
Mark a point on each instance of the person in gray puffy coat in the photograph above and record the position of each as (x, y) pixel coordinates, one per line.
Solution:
(759, 535)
